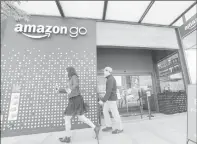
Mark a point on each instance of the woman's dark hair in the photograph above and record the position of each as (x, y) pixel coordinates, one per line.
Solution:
(71, 71)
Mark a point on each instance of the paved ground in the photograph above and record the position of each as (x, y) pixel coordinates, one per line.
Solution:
(160, 130)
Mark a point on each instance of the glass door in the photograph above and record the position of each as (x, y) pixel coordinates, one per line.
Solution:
(131, 93)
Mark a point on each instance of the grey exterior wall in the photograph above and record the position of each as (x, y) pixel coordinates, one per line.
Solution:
(130, 60)
(37, 65)
(128, 35)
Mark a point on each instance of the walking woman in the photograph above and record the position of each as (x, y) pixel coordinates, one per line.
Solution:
(76, 105)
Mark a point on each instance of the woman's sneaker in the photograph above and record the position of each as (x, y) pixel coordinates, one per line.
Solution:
(107, 129)
(97, 130)
(117, 131)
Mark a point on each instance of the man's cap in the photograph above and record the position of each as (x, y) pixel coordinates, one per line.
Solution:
(109, 69)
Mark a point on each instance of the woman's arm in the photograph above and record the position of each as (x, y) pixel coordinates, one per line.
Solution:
(60, 90)
(75, 80)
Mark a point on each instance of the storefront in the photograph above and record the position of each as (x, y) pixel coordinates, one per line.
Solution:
(188, 36)
(189, 49)
(35, 55)
(139, 70)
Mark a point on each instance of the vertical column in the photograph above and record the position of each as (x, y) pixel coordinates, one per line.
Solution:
(182, 60)
(3, 27)
(156, 87)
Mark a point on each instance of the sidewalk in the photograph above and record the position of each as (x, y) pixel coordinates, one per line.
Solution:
(166, 130)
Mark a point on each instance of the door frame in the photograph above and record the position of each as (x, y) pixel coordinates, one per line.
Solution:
(126, 73)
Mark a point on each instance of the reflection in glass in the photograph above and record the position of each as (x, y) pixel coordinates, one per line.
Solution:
(84, 9)
(126, 10)
(131, 92)
(190, 13)
(165, 12)
(190, 47)
(170, 74)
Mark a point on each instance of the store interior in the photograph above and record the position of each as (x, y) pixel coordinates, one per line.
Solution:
(138, 71)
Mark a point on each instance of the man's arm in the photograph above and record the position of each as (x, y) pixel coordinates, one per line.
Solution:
(109, 87)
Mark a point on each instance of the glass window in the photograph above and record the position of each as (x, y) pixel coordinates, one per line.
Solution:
(170, 74)
(118, 80)
(84, 9)
(39, 7)
(131, 93)
(165, 12)
(189, 43)
(191, 13)
(178, 23)
(126, 10)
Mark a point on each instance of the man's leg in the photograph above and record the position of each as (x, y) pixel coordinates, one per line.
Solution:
(107, 118)
(116, 115)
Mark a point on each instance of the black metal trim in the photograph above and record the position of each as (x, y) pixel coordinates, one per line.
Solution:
(110, 21)
(136, 47)
(182, 59)
(146, 11)
(191, 141)
(188, 33)
(184, 19)
(183, 13)
(59, 8)
(166, 57)
(105, 9)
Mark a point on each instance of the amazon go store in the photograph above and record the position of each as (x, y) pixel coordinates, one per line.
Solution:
(147, 62)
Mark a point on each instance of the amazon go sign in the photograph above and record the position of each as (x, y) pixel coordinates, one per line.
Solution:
(40, 31)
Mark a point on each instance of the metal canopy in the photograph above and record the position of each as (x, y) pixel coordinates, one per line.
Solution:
(165, 13)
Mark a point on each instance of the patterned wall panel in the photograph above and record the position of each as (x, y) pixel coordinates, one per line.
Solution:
(30, 70)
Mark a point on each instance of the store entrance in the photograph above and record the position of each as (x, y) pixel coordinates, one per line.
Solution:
(131, 92)
(139, 71)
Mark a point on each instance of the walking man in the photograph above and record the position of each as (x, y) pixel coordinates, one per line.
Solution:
(109, 102)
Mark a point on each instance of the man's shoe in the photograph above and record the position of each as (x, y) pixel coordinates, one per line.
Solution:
(65, 139)
(107, 129)
(116, 131)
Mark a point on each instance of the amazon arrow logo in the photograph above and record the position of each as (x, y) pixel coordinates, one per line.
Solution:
(46, 31)
(35, 36)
